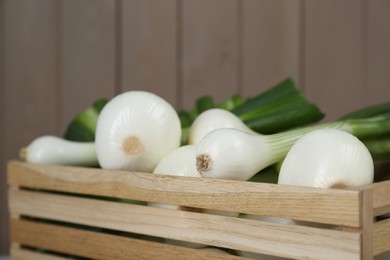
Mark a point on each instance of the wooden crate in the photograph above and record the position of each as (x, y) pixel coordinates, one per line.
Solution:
(60, 211)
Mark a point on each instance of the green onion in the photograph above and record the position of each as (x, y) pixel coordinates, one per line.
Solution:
(280, 108)
(369, 111)
(378, 147)
(231, 103)
(228, 153)
(82, 128)
(204, 103)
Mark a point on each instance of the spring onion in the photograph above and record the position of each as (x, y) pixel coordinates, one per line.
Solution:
(277, 109)
(228, 153)
(50, 149)
(135, 130)
(327, 158)
(82, 128)
(213, 119)
(369, 111)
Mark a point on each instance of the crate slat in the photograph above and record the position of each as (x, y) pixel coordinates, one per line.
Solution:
(381, 197)
(95, 245)
(338, 207)
(381, 236)
(25, 254)
(242, 234)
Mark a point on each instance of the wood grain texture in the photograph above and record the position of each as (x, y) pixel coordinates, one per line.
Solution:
(209, 50)
(334, 76)
(229, 232)
(97, 245)
(367, 238)
(378, 52)
(87, 53)
(340, 207)
(381, 236)
(30, 45)
(25, 254)
(3, 176)
(59, 56)
(29, 98)
(381, 198)
(271, 43)
(148, 47)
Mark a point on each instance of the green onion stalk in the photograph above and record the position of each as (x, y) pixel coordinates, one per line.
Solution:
(277, 109)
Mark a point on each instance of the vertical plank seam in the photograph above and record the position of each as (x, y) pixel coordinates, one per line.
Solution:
(58, 65)
(4, 233)
(302, 45)
(179, 96)
(118, 88)
(240, 47)
(364, 49)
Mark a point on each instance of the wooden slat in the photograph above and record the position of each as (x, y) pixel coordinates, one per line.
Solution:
(210, 36)
(87, 54)
(241, 234)
(381, 236)
(367, 224)
(334, 77)
(381, 197)
(25, 254)
(99, 245)
(271, 43)
(148, 47)
(340, 207)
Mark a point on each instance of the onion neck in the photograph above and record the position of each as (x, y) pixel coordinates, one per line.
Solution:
(281, 143)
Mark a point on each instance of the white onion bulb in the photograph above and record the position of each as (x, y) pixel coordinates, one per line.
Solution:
(213, 119)
(135, 130)
(327, 158)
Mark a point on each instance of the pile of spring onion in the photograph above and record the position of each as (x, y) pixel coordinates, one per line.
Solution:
(238, 139)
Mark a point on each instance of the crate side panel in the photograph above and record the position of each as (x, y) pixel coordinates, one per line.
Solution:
(339, 207)
(230, 232)
(96, 245)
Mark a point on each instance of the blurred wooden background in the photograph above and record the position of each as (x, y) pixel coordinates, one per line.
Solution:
(58, 56)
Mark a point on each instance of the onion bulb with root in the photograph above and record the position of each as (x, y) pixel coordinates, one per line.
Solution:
(182, 162)
(228, 153)
(178, 162)
(327, 158)
(135, 130)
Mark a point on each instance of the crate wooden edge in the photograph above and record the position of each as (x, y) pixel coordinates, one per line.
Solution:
(195, 192)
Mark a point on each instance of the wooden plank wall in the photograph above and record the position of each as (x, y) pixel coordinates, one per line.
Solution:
(57, 57)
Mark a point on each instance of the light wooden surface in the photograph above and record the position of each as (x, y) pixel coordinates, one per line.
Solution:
(59, 56)
(339, 207)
